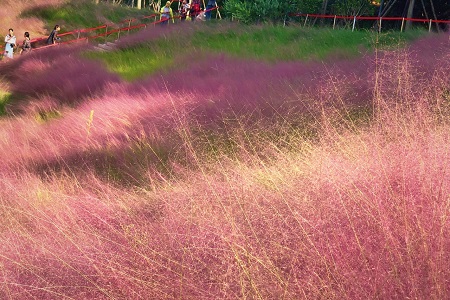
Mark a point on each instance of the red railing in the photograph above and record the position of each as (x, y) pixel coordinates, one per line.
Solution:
(84, 35)
(372, 18)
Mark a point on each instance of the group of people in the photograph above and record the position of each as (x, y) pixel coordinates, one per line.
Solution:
(189, 10)
(11, 42)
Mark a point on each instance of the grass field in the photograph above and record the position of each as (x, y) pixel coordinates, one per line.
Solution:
(265, 43)
(224, 173)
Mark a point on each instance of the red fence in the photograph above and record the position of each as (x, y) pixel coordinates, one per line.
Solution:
(102, 31)
(379, 20)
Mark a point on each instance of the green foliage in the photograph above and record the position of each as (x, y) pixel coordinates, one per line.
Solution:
(309, 6)
(353, 7)
(4, 99)
(256, 11)
(239, 10)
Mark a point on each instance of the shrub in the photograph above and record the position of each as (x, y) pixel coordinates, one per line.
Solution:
(260, 10)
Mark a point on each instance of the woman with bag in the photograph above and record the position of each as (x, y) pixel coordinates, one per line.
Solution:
(10, 41)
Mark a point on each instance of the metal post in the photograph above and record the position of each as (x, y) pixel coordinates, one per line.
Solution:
(354, 23)
(106, 33)
(334, 22)
(129, 24)
(217, 11)
(429, 26)
(78, 36)
(379, 25)
(306, 20)
(403, 25)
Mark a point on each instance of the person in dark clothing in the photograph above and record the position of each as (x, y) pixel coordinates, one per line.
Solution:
(26, 45)
(53, 37)
(211, 4)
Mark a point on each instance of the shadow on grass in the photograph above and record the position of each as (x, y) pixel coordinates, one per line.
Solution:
(57, 73)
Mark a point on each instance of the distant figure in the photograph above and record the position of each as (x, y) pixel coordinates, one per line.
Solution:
(26, 45)
(53, 37)
(166, 13)
(196, 8)
(209, 7)
(184, 10)
(10, 40)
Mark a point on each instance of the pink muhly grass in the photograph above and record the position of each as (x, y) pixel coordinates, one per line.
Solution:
(56, 73)
(353, 213)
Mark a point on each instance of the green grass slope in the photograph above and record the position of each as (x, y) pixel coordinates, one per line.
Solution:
(265, 43)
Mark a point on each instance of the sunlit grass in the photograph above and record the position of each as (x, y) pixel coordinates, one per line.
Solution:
(132, 63)
(4, 98)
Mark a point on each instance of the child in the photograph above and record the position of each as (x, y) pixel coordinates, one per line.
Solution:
(26, 46)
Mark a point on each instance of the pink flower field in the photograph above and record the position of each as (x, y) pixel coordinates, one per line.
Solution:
(231, 179)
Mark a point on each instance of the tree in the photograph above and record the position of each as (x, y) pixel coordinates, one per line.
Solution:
(251, 11)
(428, 9)
(410, 13)
(353, 7)
(324, 7)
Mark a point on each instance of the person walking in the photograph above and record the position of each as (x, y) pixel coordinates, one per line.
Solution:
(26, 45)
(184, 10)
(166, 13)
(10, 40)
(196, 8)
(209, 7)
(53, 37)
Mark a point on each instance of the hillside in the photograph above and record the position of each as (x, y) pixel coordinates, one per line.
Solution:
(38, 17)
(10, 14)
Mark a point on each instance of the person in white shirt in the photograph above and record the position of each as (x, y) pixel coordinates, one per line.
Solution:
(10, 41)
